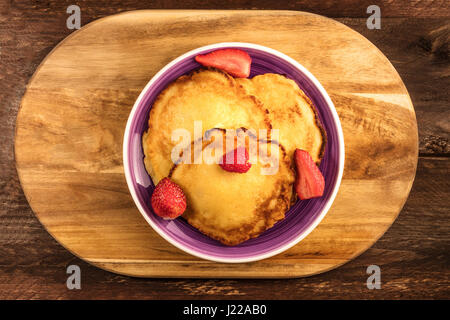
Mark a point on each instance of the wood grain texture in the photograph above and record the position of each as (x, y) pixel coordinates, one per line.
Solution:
(421, 54)
(413, 255)
(413, 252)
(343, 8)
(69, 137)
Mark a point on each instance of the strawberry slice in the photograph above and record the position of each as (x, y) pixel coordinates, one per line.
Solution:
(234, 61)
(236, 161)
(168, 200)
(309, 182)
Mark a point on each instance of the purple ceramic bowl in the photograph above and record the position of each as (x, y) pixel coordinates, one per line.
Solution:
(300, 220)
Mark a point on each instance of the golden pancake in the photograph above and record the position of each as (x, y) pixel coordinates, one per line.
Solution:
(228, 206)
(207, 95)
(290, 111)
(234, 207)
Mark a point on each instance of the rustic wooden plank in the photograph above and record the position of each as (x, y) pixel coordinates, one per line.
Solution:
(407, 42)
(413, 256)
(419, 50)
(27, 34)
(345, 8)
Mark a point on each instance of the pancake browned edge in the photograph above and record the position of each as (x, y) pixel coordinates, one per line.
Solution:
(319, 125)
(266, 213)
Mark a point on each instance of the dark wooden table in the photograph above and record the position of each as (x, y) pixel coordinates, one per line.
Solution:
(413, 254)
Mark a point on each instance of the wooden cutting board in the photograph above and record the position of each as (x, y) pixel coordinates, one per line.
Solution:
(70, 128)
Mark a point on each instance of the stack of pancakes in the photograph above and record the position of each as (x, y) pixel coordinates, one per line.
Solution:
(227, 206)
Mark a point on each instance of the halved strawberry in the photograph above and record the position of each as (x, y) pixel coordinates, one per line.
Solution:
(236, 161)
(168, 200)
(309, 182)
(234, 61)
